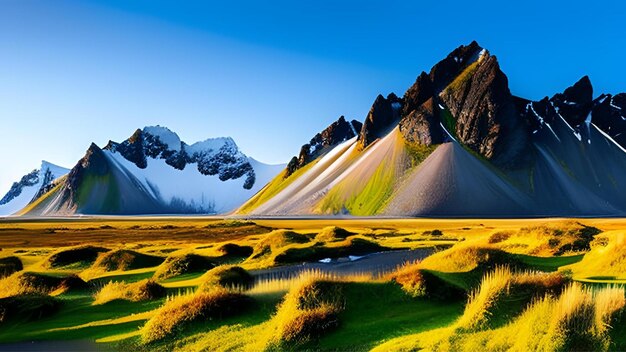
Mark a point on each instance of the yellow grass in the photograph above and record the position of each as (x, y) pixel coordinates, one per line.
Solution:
(181, 310)
(606, 260)
(579, 318)
(137, 291)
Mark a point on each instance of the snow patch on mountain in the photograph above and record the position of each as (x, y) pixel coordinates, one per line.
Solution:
(31, 185)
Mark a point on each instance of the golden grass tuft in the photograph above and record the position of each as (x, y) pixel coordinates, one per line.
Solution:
(332, 234)
(143, 290)
(309, 310)
(578, 318)
(226, 276)
(79, 255)
(10, 265)
(124, 259)
(607, 258)
(498, 285)
(176, 265)
(25, 283)
(180, 311)
(275, 240)
(465, 257)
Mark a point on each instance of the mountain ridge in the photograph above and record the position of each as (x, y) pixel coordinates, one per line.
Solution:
(463, 145)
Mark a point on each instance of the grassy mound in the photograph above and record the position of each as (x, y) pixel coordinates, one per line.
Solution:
(275, 240)
(309, 311)
(605, 261)
(27, 307)
(143, 290)
(124, 259)
(22, 283)
(182, 264)
(228, 276)
(418, 282)
(332, 234)
(82, 255)
(235, 250)
(468, 257)
(546, 239)
(10, 265)
(179, 312)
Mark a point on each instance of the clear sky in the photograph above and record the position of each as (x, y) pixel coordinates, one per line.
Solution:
(270, 74)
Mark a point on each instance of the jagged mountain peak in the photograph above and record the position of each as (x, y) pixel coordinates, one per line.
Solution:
(165, 136)
(337, 132)
(383, 115)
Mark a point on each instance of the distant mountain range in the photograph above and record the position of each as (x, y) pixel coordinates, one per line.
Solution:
(456, 144)
(152, 172)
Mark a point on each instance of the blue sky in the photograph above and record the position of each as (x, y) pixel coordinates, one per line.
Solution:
(270, 74)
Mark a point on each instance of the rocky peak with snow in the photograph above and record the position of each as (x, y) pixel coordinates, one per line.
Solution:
(337, 132)
(215, 156)
(42, 178)
(30, 179)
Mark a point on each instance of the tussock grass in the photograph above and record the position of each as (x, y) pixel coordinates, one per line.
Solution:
(332, 234)
(124, 259)
(10, 265)
(546, 239)
(275, 240)
(176, 265)
(143, 290)
(418, 282)
(176, 314)
(27, 307)
(577, 319)
(308, 311)
(225, 276)
(121, 260)
(81, 255)
(235, 250)
(606, 260)
(465, 257)
(24, 283)
(500, 288)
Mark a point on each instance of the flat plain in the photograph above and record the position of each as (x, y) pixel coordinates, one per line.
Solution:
(208, 283)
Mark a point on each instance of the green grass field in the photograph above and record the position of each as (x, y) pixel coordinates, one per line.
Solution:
(458, 298)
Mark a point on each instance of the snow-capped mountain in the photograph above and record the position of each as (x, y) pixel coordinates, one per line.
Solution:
(458, 143)
(154, 172)
(30, 187)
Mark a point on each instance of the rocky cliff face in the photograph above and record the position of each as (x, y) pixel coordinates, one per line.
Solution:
(337, 132)
(468, 95)
(382, 117)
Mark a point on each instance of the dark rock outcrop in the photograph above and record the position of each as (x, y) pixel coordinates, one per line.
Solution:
(421, 125)
(382, 117)
(484, 110)
(337, 132)
(468, 94)
(575, 103)
(609, 114)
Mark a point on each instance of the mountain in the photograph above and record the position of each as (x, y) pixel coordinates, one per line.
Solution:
(30, 187)
(459, 143)
(154, 172)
